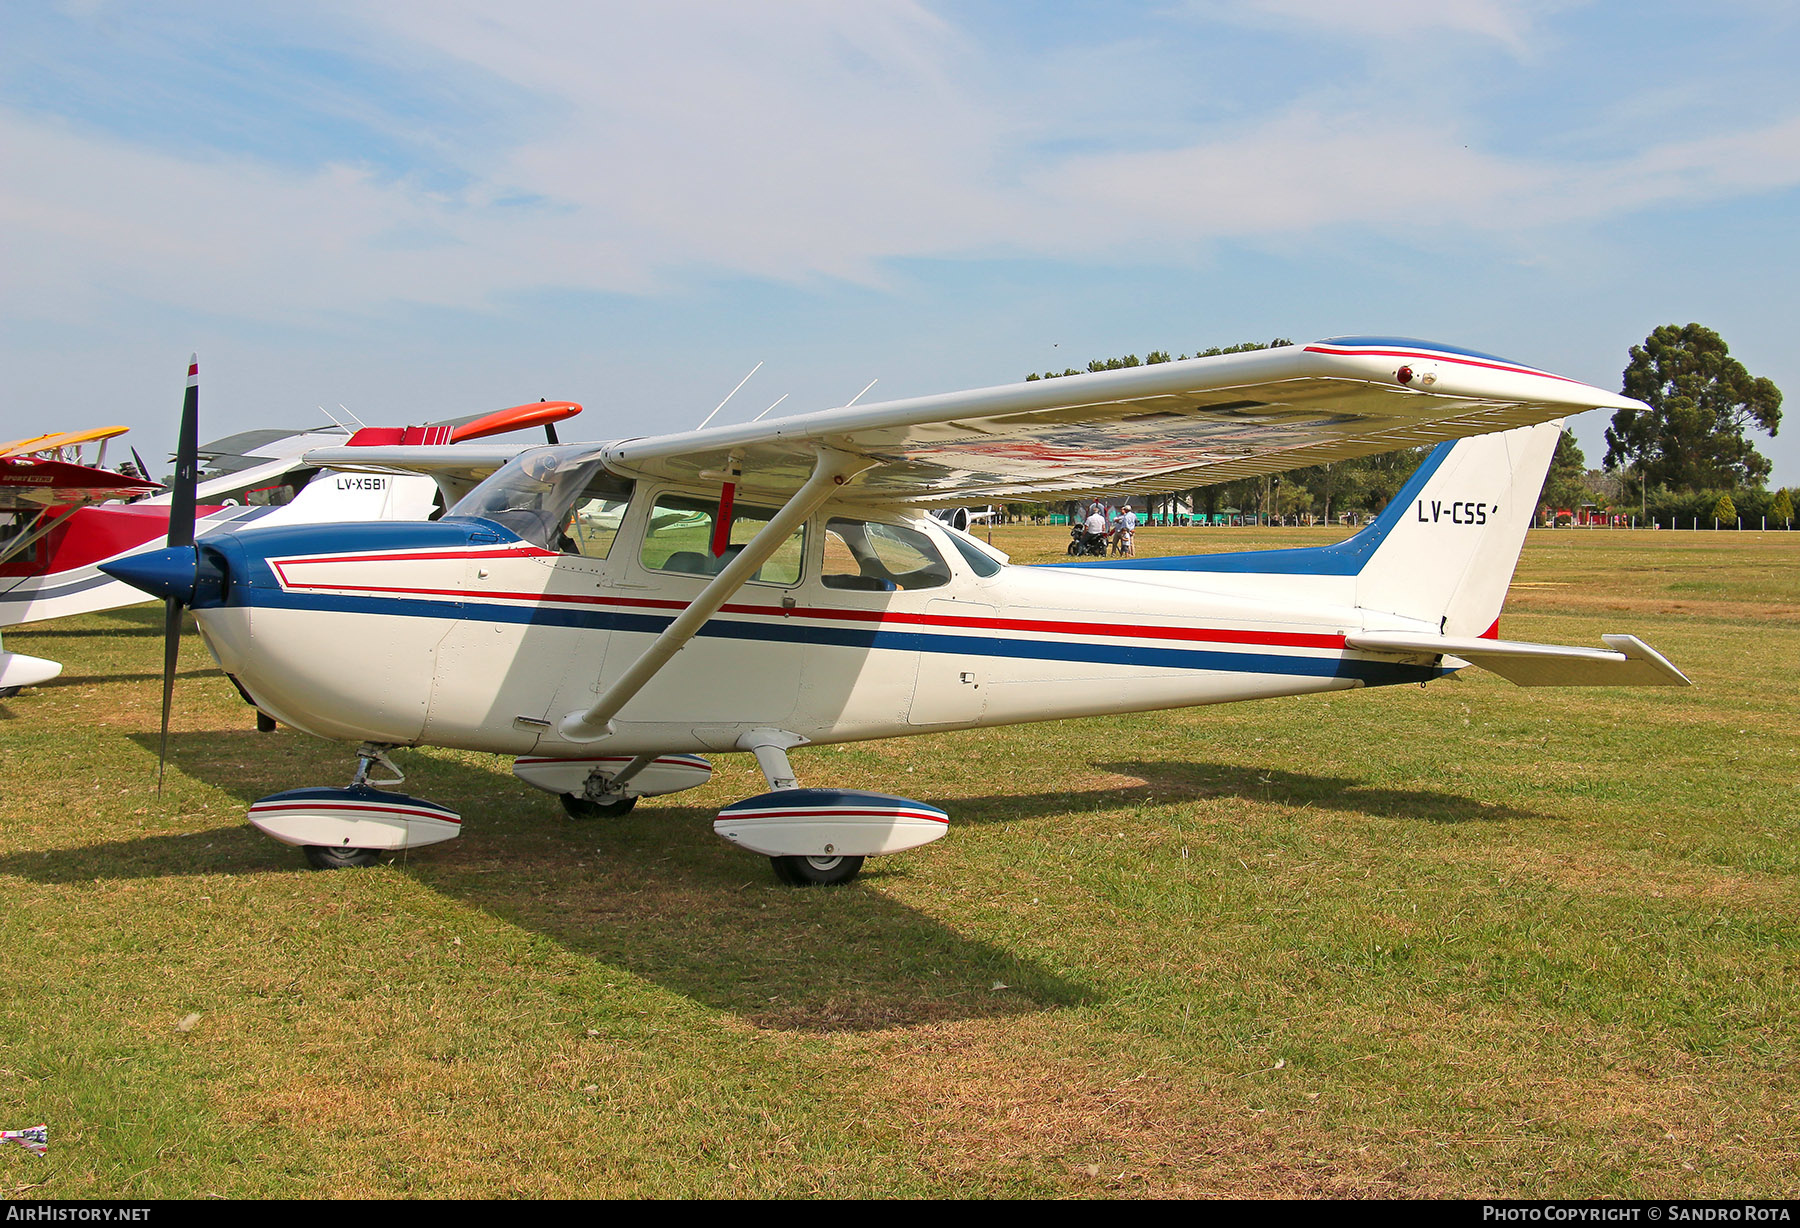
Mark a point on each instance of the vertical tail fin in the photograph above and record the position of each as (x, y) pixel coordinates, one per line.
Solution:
(1447, 545)
(1442, 552)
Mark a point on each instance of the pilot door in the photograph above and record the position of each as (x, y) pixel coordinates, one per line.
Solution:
(744, 665)
(535, 629)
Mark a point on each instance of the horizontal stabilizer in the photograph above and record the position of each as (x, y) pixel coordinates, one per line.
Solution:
(1625, 661)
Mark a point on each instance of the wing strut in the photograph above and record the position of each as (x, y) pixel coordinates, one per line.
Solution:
(39, 526)
(830, 472)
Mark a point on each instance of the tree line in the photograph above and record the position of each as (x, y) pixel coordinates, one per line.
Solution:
(1685, 458)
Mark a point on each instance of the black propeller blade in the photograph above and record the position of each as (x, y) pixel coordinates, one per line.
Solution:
(181, 533)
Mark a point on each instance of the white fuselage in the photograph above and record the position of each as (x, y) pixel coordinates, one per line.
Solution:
(488, 644)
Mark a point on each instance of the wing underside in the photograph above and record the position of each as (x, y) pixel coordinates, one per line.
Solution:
(1152, 429)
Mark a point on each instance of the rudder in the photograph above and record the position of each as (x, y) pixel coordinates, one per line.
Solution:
(1448, 554)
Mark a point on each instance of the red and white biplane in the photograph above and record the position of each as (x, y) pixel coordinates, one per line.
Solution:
(61, 520)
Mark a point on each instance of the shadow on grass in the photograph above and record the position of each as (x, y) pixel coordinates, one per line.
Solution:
(1166, 783)
(65, 680)
(145, 618)
(232, 849)
(32, 632)
(1179, 781)
(655, 893)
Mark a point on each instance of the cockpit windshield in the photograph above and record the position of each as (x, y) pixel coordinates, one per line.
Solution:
(535, 494)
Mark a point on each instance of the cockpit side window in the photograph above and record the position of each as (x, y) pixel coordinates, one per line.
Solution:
(981, 563)
(592, 524)
(539, 495)
(868, 556)
(679, 538)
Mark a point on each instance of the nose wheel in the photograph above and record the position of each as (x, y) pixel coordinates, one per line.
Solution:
(582, 809)
(324, 857)
(355, 826)
(816, 871)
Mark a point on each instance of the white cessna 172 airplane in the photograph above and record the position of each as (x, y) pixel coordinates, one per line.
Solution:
(607, 613)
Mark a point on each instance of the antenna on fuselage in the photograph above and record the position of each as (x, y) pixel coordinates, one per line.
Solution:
(859, 396)
(728, 396)
(765, 413)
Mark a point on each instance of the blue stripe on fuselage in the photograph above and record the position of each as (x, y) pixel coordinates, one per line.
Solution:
(1372, 673)
(254, 584)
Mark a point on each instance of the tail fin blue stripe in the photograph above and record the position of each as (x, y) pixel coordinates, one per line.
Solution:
(1345, 558)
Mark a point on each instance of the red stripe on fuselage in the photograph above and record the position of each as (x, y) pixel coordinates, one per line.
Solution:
(314, 807)
(1282, 639)
(523, 551)
(728, 816)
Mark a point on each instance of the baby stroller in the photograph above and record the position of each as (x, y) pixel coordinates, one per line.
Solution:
(1082, 543)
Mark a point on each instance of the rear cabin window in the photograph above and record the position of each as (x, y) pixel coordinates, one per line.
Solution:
(680, 533)
(867, 556)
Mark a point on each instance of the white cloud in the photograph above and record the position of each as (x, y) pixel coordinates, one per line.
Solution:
(786, 141)
(1514, 24)
(794, 142)
(1306, 171)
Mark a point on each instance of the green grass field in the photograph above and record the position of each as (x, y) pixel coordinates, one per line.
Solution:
(1462, 940)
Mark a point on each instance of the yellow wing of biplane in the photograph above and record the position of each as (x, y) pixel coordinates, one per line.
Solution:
(61, 439)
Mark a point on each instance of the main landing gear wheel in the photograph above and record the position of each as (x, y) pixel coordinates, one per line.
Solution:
(7, 692)
(582, 808)
(325, 858)
(816, 871)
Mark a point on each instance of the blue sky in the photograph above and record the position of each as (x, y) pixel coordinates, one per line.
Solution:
(424, 208)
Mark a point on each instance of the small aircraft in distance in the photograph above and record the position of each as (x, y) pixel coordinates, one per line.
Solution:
(38, 488)
(65, 445)
(960, 518)
(609, 613)
(59, 520)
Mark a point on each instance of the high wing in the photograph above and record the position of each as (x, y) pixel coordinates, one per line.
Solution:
(1166, 427)
(457, 468)
(30, 483)
(59, 440)
(263, 457)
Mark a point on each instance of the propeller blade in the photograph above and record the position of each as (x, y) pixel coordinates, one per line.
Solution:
(171, 651)
(181, 533)
(187, 462)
